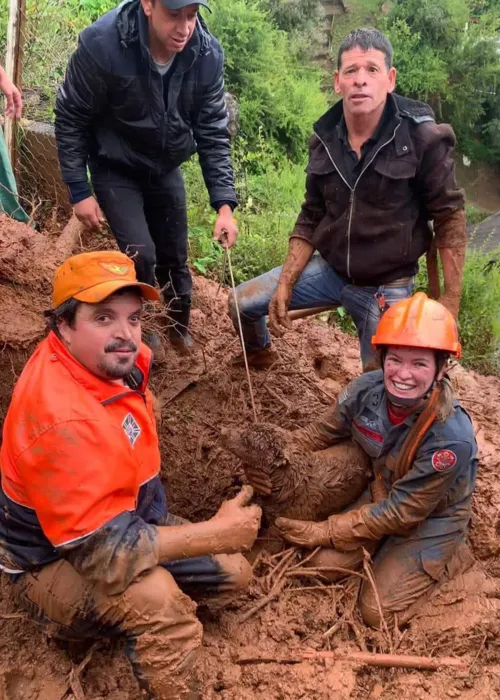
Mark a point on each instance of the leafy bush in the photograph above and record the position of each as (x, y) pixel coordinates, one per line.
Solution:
(479, 318)
(269, 204)
(454, 64)
(279, 97)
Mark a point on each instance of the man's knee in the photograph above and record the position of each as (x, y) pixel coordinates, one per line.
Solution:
(237, 295)
(156, 604)
(238, 572)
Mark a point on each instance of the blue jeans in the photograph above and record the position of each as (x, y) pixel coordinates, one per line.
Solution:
(318, 285)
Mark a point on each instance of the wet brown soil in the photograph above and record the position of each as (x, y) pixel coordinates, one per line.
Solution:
(200, 396)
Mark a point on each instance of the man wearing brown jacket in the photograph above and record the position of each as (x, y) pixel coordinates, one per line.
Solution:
(380, 190)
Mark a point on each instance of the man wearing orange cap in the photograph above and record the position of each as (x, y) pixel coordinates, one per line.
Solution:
(84, 530)
(414, 517)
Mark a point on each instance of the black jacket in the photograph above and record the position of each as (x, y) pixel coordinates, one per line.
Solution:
(374, 231)
(110, 106)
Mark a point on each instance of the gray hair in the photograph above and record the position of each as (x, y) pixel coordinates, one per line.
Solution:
(366, 38)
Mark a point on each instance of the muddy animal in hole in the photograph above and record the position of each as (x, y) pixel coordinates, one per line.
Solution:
(305, 485)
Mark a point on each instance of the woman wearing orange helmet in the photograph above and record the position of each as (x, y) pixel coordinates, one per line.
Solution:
(414, 518)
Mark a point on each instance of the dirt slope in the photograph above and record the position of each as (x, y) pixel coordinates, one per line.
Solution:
(198, 399)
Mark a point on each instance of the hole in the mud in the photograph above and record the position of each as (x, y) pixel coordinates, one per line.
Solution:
(318, 364)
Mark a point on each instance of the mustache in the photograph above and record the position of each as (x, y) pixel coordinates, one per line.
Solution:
(117, 346)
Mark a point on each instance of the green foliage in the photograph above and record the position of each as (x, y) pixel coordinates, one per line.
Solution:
(304, 23)
(422, 72)
(439, 23)
(279, 97)
(479, 317)
(475, 215)
(269, 203)
(454, 64)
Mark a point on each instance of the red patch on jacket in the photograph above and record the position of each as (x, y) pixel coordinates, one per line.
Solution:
(442, 460)
(371, 434)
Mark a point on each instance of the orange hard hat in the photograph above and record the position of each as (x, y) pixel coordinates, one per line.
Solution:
(91, 277)
(419, 322)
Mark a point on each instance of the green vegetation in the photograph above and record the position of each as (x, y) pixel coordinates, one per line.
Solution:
(447, 53)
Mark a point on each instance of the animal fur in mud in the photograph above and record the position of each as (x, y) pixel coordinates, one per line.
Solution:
(305, 485)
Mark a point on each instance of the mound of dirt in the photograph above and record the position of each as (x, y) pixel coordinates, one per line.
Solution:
(28, 261)
(201, 396)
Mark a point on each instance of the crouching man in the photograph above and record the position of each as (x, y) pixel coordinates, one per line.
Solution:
(415, 518)
(85, 535)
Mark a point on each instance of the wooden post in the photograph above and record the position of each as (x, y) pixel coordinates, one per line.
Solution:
(14, 67)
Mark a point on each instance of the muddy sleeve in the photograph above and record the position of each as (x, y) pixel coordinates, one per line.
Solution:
(335, 424)
(414, 497)
(85, 507)
(436, 175)
(313, 209)
(80, 100)
(211, 132)
(411, 500)
(114, 556)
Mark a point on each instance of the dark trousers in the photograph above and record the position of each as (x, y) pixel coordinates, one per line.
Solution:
(147, 215)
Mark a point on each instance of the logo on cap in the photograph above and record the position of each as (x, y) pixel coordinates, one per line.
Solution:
(115, 268)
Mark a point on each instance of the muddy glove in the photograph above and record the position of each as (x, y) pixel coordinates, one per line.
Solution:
(451, 241)
(304, 533)
(299, 254)
(348, 531)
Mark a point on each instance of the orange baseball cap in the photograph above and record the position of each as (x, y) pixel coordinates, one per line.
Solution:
(92, 277)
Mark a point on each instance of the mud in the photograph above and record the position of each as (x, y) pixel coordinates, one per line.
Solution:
(199, 397)
(305, 485)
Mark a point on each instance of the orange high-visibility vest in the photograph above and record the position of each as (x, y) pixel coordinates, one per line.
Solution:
(76, 448)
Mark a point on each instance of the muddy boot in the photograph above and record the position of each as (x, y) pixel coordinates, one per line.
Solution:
(154, 342)
(258, 359)
(178, 311)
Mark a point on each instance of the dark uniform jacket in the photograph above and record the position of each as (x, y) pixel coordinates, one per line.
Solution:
(434, 497)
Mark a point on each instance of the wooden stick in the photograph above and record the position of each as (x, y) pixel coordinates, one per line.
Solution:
(73, 682)
(371, 578)
(320, 571)
(426, 663)
(277, 587)
(304, 313)
(273, 593)
(306, 559)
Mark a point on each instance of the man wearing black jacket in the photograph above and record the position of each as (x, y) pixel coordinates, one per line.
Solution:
(380, 193)
(143, 92)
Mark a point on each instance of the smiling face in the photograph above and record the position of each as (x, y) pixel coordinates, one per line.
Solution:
(105, 337)
(169, 29)
(364, 81)
(410, 372)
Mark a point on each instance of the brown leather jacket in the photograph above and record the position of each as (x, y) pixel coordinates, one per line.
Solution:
(375, 232)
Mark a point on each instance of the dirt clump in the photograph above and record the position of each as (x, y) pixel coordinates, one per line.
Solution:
(289, 607)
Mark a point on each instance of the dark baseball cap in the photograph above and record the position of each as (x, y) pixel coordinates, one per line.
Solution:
(179, 4)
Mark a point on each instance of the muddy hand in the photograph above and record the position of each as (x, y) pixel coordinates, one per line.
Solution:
(89, 213)
(242, 521)
(226, 228)
(278, 310)
(260, 482)
(304, 533)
